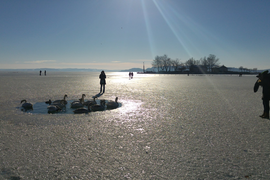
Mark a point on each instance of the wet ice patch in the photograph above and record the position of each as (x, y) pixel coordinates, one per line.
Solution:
(42, 108)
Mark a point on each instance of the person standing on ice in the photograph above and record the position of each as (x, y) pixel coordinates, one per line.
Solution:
(102, 78)
(264, 81)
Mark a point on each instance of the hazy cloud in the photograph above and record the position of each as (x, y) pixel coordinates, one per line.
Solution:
(39, 61)
(60, 65)
(143, 60)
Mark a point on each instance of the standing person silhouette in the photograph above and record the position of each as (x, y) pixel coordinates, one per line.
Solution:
(102, 78)
(45, 72)
(40, 72)
(264, 82)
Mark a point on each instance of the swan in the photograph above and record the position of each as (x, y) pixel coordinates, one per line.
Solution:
(98, 107)
(93, 102)
(82, 110)
(60, 104)
(48, 102)
(26, 105)
(57, 101)
(77, 104)
(80, 100)
(53, 108)
(112, 104)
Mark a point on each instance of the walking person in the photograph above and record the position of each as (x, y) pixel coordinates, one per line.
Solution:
(45, 72)
(40, 72)
(102, 78)
(264, 81)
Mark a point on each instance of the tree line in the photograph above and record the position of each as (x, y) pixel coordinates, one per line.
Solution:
(164, 63)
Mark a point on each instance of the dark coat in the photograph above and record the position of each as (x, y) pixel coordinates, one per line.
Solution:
(102, 78)
(265, 84)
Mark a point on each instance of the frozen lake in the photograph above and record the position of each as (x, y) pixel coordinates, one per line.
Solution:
(168, 127)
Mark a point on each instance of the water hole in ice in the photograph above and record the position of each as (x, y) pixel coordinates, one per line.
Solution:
(41, 108)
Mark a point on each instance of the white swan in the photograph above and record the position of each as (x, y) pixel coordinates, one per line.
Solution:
(80, 100)
(57, 101)
(82, 110)
(53, 108)
(93, 102)
(60, 104)
(112, 104)
(26, 105)
(98, 107)
(77, 104)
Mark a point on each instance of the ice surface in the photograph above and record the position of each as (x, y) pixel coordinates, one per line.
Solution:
(168, 127)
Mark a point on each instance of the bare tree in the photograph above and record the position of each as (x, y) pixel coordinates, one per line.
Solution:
(212, 61)
(166, 62)
(175, 63)
(182, 67)
(204, 62)
(162, 63)
(192, 62)
(157, 63)
(241, 68)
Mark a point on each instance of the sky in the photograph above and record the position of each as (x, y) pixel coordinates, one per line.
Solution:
(122, 34)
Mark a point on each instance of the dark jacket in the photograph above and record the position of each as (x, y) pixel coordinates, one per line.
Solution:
(265, 84)
(102, 78)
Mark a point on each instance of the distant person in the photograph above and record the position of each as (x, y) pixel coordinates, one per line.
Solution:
(45, 72)
(264, 82)
(130, 75)
(102, 78)
(40, 72)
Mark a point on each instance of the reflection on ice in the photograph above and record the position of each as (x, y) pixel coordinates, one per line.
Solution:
(131, 106)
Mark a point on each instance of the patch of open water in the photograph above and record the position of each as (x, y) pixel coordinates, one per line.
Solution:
(41, 108)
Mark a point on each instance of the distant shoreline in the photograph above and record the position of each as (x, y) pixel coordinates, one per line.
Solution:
(136, 70)
(191, 73)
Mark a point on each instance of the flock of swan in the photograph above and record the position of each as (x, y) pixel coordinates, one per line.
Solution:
(79, 105)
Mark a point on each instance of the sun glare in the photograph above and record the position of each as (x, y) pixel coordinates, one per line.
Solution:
(166, 11)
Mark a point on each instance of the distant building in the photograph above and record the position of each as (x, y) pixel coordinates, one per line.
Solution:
(222, 69)
(181, 68)
(198, 69)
